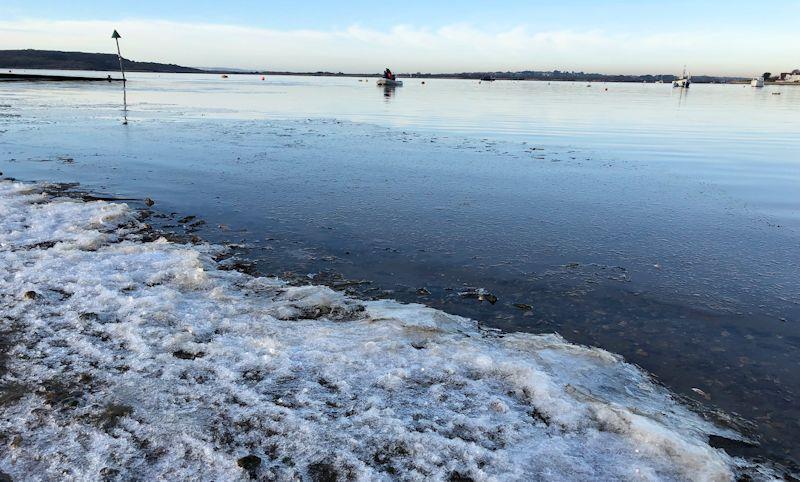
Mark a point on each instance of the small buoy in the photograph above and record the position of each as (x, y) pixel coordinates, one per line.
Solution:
(423, 82)
(262, 77)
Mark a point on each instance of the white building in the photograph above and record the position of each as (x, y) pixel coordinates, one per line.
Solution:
(793, 76)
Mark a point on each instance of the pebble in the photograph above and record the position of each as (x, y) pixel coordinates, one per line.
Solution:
(488, 297)
(250, 463)
(480, 294)
(701, 393)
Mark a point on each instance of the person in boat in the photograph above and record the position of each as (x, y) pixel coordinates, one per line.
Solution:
(387, 74)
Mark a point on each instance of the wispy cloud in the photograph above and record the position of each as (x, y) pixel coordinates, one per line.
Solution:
(455, 47)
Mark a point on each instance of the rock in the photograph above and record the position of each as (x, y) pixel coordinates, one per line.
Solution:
(323, 471)
(250, 463)
(423, 292)
(457, 476)
(30, 295)
(523, 306)
(480, 294)
(107, 473)
(148, 202)
(727, 444)
(488, 297)
(109, 418)
(185, 355)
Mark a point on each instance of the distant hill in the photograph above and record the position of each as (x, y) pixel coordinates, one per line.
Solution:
(57, 60)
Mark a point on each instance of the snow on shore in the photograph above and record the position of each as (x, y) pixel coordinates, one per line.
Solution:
(127, 358)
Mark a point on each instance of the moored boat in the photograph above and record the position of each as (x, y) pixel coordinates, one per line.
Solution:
(390, 83)
(389, 79)
(684, 81)
(757, 82)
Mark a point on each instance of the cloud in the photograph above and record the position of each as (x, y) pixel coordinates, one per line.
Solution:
(458, 47)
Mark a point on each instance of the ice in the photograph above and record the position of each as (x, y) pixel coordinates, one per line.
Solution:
(141, 360)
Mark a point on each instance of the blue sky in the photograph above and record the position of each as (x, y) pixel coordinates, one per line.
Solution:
(733, 37)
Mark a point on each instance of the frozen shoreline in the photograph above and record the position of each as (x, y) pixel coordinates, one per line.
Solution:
(133, 358)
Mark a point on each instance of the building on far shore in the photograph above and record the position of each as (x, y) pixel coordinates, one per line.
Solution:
(793, 76)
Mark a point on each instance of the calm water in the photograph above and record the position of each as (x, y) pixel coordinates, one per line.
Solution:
(659, 224)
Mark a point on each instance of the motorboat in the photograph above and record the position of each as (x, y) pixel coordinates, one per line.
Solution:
(390, 83)
(757, 82)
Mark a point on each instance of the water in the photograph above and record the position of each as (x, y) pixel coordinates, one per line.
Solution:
(658, 224)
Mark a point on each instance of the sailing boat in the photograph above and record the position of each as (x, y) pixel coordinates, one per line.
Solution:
(683, 81)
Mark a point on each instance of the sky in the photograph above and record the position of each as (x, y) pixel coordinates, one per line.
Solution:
(740, 38)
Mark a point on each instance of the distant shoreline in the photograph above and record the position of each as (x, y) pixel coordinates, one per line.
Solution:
(10, 77)
(57, 60)
(14, 76)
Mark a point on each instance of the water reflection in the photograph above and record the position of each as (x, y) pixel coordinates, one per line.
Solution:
(388, 92)
(683, 96)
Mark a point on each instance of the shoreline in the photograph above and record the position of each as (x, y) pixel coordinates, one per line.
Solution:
(342, 308)
(10, 77)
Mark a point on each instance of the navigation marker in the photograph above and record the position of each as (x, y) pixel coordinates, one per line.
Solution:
(116, 36)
